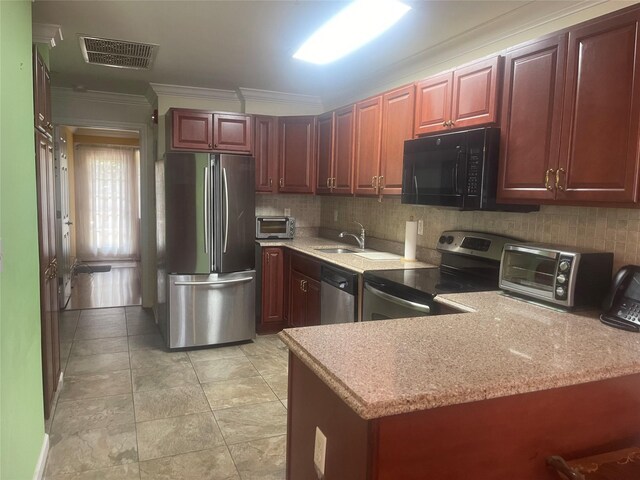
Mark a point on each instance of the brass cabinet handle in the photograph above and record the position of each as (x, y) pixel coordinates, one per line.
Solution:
(210, 146)
(381, 182)
(445, 123)
(328, 182)
(451, 123)
(49, 125)
(281, 182)
(215, 145)
(333, 182)
(558, 172)
(374, 182)
(303, 285)
(271, 182)
(548, 173)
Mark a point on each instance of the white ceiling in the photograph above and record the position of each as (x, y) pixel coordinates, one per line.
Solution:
(231, 44)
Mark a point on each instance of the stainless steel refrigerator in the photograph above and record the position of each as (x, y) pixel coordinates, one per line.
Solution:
(205, 207)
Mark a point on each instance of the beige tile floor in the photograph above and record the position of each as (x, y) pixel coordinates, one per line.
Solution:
(129, 409)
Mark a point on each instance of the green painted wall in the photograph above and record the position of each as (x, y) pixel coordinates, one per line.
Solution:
(21, 411)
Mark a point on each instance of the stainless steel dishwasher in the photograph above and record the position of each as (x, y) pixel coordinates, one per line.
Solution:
(338, 295)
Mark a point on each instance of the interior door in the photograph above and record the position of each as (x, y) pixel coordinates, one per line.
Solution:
(62, 215)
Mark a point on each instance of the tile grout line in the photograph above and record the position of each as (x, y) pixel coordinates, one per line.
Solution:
(133, 398)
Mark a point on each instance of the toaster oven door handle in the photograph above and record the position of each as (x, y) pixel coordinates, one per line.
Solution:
(534, 251)
(399, 301)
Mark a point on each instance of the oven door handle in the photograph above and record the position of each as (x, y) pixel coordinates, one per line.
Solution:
(399, 301)
(531, 250)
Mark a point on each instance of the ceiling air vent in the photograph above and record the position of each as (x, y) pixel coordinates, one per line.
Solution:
(118, 53)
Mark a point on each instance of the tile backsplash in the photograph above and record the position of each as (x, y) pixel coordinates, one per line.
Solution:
(304, 208)
(607, 229)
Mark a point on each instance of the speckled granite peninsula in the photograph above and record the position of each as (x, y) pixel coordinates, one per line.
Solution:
(503, 379)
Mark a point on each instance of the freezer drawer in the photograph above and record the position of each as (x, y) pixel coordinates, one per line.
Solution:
(211, 309)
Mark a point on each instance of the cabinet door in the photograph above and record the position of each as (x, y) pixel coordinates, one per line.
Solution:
(272, 287)
(297, 168)
(397, 126)
(433, 104)
(475, 93)
(599, 143)
(191, 130)
(312, 288)
(232, 132)
(324, 157)
(297, 299)
(40, 91)
(367, 147)
(531, 115)
(344, 135)
(266, 153)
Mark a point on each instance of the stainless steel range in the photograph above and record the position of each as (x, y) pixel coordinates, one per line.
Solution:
(470, 263)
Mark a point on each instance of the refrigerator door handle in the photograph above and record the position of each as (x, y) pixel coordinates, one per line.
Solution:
(206, 209)
(226, 209)
(219, 282)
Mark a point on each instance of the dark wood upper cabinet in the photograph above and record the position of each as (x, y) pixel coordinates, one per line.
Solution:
(206, 131)
(273, 275)
(599, 143)
(397, 126)
(191, 130)
(324, 157)
(343, 152)
(465, 97)
(265, 151)
(367, 146)
(534, 80)
(475, 93)
(433, 103)
(297, 152)
(41, 94)
(232, 132)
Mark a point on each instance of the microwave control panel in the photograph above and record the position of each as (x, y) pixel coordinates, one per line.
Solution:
(474, 171)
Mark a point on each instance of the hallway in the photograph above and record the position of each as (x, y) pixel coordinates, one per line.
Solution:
(129, 409)
(121, 286)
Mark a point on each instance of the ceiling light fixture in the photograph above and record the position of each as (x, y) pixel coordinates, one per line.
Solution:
(351, 28)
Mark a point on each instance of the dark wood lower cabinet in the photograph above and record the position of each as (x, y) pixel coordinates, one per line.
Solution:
(304, 291)
(497, 439)
(272, 302)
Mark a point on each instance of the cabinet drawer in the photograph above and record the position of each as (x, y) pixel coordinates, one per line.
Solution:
(305, 265)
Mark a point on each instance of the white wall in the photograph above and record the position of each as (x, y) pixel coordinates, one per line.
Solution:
(122, 111)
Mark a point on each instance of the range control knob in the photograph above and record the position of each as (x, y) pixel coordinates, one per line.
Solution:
(449, 239)
(442, 239)
(562, 278)
(560, 291)
(564, 266)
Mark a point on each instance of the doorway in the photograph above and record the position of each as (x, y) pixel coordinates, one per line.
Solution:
(103, 218)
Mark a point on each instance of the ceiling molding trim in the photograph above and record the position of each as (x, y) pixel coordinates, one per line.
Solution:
(268, 96)
(46, 33)
(151, 96)
(194, 92)
(463, 44)
(100, 97)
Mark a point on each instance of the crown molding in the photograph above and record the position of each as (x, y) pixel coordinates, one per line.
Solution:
(100, 97)
(46, 33)
(466, 43)
(268, 96)
(194, 92)
(151, 96)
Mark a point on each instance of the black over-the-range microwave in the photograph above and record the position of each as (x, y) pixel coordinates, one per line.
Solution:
(455, 169)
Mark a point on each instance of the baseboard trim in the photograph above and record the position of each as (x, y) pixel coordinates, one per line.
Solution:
(42, 459)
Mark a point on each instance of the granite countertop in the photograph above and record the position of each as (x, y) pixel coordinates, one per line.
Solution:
(308, 245)
(501, 346)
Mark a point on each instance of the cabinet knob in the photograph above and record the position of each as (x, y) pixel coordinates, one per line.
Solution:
(210, 146)
(271, 182)
(215, 145)
(281, 182)
(445, 123)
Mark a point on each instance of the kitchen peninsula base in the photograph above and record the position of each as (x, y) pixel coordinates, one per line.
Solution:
(500, 438)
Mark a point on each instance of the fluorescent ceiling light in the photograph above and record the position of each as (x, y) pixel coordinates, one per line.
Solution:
(351, 28)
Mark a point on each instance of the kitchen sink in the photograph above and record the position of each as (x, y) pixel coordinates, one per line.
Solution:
(335, 250)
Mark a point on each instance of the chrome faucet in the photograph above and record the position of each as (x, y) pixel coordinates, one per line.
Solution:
(359, 239)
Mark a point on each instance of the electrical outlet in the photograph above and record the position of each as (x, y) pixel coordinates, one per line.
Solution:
(320, 452)
(287, 212)
(335, 215)
(420, 227)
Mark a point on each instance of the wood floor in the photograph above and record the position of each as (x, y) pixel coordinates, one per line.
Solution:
(120, 287)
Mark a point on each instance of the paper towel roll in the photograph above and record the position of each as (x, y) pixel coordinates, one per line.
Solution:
(410, 240)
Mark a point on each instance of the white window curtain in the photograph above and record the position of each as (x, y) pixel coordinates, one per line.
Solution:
(107, 180)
